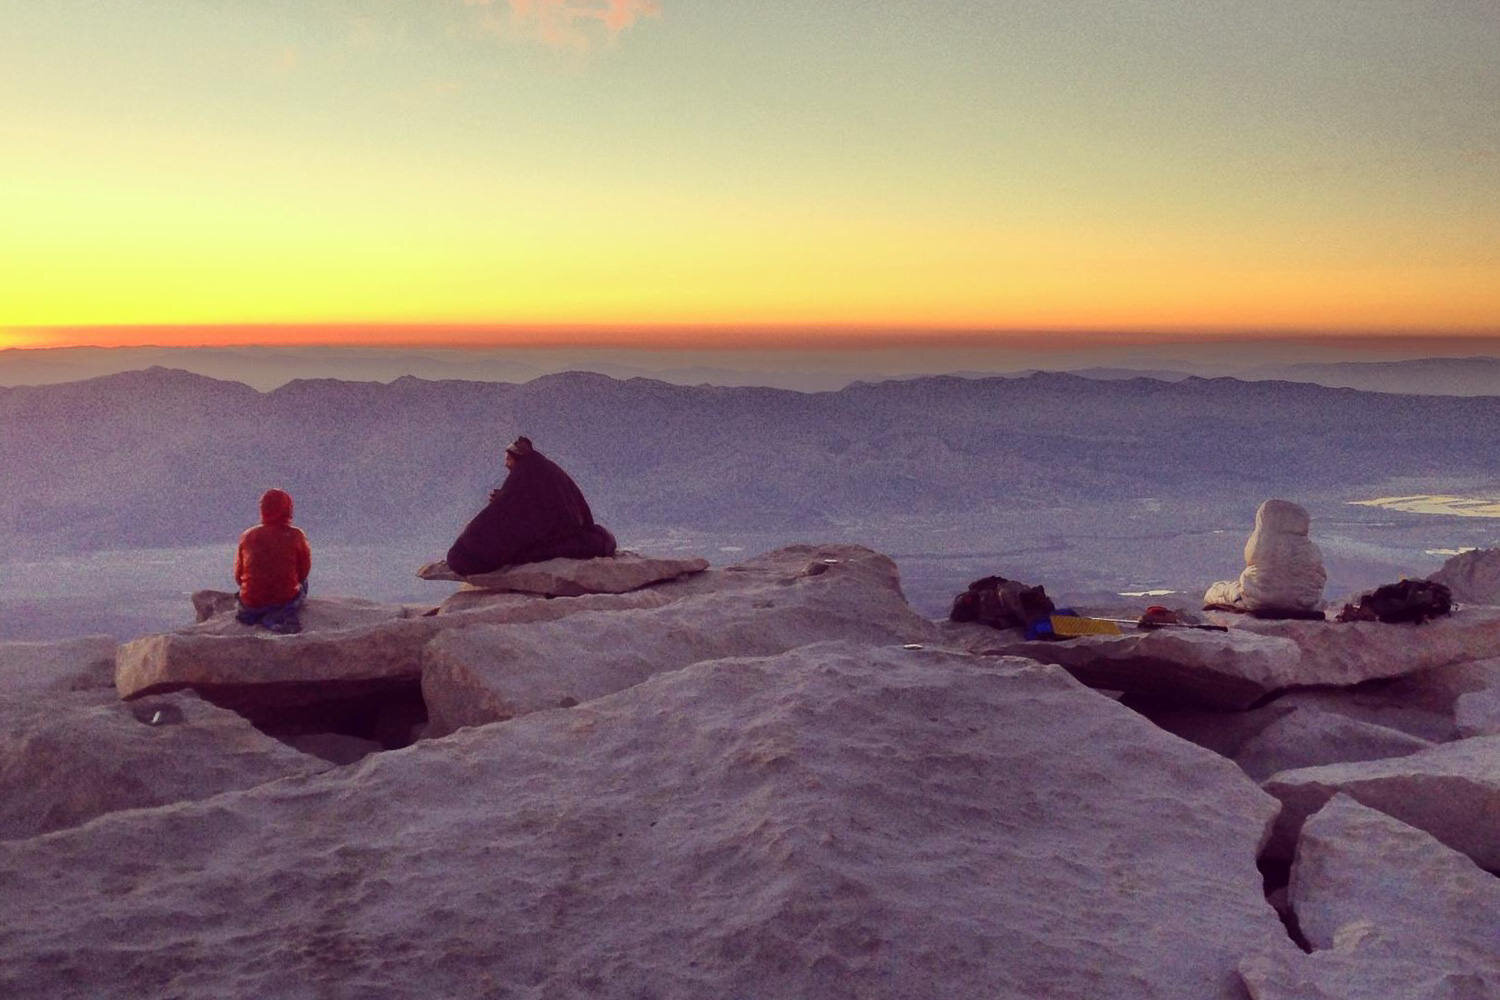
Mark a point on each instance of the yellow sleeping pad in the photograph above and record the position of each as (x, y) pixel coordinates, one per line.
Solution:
(1075, 625)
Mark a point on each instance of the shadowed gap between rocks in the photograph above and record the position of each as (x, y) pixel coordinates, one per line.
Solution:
(1276, 877)
(340, 724)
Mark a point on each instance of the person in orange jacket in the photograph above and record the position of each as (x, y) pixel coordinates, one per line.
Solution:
(271, 567)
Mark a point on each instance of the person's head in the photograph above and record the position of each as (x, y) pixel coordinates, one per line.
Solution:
(276, 507)
(518, 449)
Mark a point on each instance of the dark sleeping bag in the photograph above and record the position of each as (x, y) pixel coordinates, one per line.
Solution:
(538, 513)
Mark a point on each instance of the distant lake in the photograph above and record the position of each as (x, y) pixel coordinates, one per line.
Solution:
(1427, 503)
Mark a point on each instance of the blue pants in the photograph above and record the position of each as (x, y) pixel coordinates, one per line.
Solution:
(280, 618)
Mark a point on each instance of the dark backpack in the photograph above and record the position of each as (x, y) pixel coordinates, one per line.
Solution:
(1408, 601)
(1001, 603)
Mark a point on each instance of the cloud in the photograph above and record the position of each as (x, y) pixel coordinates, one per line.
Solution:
(569, 25)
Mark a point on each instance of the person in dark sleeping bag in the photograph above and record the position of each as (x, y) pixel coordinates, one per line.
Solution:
(538, 513)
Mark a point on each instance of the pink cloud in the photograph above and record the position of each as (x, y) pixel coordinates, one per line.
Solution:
(565, 24)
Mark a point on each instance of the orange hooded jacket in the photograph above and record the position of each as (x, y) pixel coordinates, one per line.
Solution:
(273, 558)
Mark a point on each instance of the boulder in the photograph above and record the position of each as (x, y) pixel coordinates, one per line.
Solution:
(1451, 791)
(253, 661)
(232, 661)
(365, 680)
(1225, 670)
(69, 665)
(487, 673)
(1223, 732)
(1388, 911)
(617, 574)
(1307, 737)
(1349, 653)
(1378, 887)
(1472, 577)
(833, 822)
(1386, 704)
(68, 758)
(1439, 689)
(1235, 669)
(1478, 713)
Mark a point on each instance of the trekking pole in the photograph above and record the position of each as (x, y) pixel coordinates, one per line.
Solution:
(1151, 625)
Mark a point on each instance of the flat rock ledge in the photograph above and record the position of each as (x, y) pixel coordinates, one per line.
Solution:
(1220, 670)
(1253, 659)
(1348, 653)
(370, 651)
(215, 610)
(617, 574)
(208, 662)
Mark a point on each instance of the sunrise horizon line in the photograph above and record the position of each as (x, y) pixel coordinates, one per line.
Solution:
(678, 336)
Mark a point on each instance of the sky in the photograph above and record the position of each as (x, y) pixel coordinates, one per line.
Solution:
(449, 171)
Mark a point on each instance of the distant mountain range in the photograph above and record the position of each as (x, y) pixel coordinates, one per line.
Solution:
(160, 457)
(268, 368)
(1422, 376)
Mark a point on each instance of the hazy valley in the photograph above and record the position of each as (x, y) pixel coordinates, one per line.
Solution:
(127, 491)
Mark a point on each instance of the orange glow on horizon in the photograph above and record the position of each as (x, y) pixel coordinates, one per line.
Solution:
(670, 337)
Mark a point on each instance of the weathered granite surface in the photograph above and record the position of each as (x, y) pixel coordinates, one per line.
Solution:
(1451, 791)
(1253, 659)
(837, 821)
(215, 614)
(1472, 577)
(1308, 737)
(487, 673)
(68, 757)
(1478, 713)
(1340, 653)
(1389, 912)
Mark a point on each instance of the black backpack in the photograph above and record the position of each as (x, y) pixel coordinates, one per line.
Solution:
(1001, 603)
(1408, 601)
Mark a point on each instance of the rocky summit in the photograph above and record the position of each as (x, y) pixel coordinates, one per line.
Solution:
(768, 780)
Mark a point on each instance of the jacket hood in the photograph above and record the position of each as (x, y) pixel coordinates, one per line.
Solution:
(276, 507)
